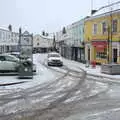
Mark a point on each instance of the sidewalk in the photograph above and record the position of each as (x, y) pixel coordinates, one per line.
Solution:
(91, 71)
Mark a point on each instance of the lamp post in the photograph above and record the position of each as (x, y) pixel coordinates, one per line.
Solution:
(108, 41)
(119, 51)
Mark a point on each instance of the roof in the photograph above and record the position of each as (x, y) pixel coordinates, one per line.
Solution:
(45, 37)
(106, 11)
(4, 29)
(53, 53)
(104, 14)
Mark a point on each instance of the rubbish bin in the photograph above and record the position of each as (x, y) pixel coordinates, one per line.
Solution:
(25, 69)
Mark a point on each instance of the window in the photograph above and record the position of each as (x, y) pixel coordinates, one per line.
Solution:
(37, 43)
(104, 27)
(53, 55)
(102, 55)
(114, 26)
(95, 29)
(9, 58)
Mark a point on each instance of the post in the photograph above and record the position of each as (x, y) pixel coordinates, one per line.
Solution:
(108, 45)
(54, 43)
(111, 22)
(119, 51)
(20, 31)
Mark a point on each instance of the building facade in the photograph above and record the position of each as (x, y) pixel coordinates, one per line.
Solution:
(102, 37)
(8, 41)
(64, 42)
(42, 44)
(70, 43)
(78, 41)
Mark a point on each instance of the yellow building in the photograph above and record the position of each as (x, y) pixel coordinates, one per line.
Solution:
(102, 37)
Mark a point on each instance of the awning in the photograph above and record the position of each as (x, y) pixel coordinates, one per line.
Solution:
(100, 45)
(100, 48)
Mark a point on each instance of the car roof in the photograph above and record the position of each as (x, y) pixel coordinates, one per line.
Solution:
(6, 54)
(54, 53)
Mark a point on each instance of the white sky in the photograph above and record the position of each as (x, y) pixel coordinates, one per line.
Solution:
(48, 15)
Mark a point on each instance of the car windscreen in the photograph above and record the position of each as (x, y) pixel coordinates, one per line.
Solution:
(53, 55)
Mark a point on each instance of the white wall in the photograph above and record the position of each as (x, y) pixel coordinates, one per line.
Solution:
(42, 42)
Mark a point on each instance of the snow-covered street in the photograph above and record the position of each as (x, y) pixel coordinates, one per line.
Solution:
(59, 93)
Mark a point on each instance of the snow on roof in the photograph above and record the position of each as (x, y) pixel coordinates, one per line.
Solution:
(3, 28)
(106, 10)
(45, 37)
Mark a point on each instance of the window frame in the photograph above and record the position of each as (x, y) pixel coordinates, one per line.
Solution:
(115, 26)
(95, 29)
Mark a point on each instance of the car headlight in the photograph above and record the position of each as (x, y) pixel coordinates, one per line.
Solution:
(49, 60)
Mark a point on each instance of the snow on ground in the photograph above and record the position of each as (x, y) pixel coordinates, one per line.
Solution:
(42, 75)
(89, 70)
(76, 65)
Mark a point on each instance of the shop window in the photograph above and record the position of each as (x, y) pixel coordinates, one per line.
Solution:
(102, 55)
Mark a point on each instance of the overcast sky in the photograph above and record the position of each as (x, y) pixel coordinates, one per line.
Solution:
(48, 15)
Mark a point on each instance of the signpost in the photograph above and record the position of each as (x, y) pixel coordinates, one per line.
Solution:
(26, 57)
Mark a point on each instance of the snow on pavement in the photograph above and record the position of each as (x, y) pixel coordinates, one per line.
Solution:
(89, 70)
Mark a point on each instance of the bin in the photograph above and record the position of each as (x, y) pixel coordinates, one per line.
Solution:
(25, 69)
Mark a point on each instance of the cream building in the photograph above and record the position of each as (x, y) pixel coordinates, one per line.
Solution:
(42, 43)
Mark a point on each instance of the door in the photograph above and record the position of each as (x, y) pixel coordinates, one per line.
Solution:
(11, 63)
(76, 53)
(115, 55)
(89, 54)
(2, 63)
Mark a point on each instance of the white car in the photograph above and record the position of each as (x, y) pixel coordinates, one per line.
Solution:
(10, 63)
(54, 59)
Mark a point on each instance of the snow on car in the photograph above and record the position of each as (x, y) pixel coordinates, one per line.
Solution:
(54, 59)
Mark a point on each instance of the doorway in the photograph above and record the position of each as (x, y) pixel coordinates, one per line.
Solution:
(89, 54)
(115, 55)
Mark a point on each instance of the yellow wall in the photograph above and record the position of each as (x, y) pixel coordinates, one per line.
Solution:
(89, 36)
(89, 26)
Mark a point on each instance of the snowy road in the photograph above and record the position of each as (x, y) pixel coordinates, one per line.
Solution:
(65, 93)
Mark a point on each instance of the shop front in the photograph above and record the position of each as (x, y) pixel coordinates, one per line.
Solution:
(100, 51)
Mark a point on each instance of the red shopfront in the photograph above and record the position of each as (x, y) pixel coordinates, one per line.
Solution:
(100, 50)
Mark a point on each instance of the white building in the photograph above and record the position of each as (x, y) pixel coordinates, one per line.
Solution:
(70, 42)
(42, 43)
(8, 40)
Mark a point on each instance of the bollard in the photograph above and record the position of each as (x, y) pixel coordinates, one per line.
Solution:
(87, 64)
(93, 64)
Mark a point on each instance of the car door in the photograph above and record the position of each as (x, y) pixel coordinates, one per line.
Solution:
(11, 63)
(2, 63)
